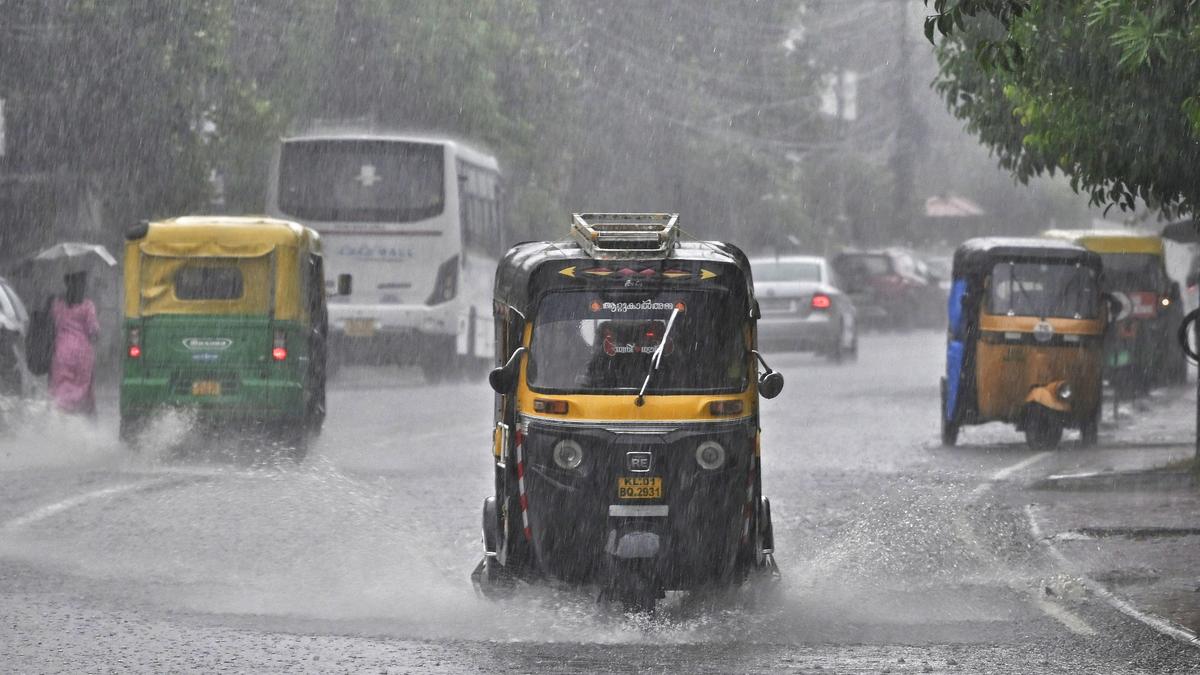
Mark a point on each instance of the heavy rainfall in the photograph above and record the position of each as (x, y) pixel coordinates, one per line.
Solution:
(480, 335)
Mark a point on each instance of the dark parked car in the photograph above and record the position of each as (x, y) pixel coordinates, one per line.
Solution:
(802, 307)
(889, 288)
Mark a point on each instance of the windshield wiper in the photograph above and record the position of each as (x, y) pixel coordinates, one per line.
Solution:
(656, 358)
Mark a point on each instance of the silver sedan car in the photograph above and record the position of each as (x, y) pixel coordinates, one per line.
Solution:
(802, 309)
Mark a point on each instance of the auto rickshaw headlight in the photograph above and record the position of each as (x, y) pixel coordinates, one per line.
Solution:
(1064, 391)
(568, 454)
(710, 455)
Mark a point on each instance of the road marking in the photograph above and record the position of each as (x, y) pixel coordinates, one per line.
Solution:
(44, 512)
(1154, 621)
(1007, 471)
(1064, 616)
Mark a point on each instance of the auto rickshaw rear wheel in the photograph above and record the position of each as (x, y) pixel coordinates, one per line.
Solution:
(949, 427)
(1089, 430)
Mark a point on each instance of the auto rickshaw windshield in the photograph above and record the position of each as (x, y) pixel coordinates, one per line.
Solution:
(1133, 272)
(602, 342)
(1041, 289)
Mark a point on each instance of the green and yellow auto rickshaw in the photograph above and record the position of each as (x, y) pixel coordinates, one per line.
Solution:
(226, 317)
(1025, 339)
(626, 441)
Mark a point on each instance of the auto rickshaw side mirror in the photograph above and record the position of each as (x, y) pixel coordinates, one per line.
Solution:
(345, 284)
(504, 378)
(770, 384)
(1112, 306)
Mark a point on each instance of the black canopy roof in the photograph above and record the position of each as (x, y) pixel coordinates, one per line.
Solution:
(978, 256)
(529, 260)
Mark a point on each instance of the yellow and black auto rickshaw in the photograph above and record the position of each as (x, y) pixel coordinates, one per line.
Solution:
(626, 449)
(1025, 339)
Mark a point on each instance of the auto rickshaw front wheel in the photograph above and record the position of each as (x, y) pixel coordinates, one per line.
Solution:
(1043, 430)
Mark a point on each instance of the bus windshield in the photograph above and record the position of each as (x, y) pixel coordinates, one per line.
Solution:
(361, 180)
(602, 342)
(1040, 289)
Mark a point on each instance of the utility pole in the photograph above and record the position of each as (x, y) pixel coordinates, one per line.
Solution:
(904, 152)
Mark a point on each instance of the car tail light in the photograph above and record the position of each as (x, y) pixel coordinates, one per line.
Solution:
(445, 285)
(279, 346)
(135, 343)
(821, 301)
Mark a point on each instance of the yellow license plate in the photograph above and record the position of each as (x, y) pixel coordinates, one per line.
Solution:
(641, 487)
(360, 327)
(206, 388)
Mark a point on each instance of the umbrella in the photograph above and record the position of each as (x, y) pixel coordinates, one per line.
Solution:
(76, 256)
(1182, 231)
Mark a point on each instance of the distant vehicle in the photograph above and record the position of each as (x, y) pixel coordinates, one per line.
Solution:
(14, 322)
(803, 309)
(938, 270)
(226, 317)
(888, 288)
(418, 221)
(1141, 351)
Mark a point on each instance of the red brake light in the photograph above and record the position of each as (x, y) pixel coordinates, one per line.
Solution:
(279, 346)
(821, 301)
(135, 343)
(134, 351)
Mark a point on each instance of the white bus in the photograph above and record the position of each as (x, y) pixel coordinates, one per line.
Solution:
(417, 222)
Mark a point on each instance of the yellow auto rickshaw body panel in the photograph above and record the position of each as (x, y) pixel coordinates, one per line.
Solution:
(1012, 369)
(269, 252)
(1111, 241)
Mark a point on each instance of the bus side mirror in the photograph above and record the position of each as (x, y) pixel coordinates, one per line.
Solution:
(504, 378)
(770, 384)
(345, 284)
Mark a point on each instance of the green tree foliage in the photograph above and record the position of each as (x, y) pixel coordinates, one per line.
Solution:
(1103, 90)
(123, 92)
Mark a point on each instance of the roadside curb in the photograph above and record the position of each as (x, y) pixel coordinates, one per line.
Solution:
(1158, 479)
(1155, 622)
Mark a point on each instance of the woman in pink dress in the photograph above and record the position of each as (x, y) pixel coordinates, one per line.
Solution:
(73, 366)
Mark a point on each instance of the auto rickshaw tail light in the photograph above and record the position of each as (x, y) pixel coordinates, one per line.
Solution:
(732, 407)
(279, 346)
(135, 343)
(556, 407)
(821, 301)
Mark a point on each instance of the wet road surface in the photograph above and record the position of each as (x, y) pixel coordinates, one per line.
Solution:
(897, 555)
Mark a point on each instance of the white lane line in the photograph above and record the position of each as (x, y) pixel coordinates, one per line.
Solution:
(1071, 621)
(58, 507)
(1154, 621)
(1007, 471)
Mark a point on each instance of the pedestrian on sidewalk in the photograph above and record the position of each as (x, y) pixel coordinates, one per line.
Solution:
(72, 369)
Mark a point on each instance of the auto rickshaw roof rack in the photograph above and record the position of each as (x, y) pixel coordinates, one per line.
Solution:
(613, 236)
